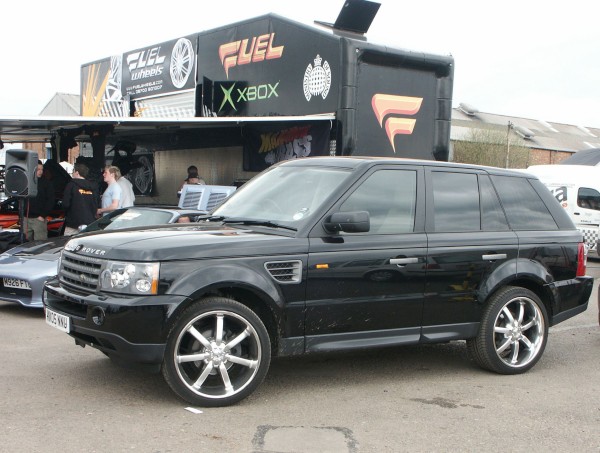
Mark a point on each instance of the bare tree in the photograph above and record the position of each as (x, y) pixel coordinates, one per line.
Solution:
(491, 147)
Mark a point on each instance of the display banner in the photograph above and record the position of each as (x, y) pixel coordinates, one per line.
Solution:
(265, 145)
(160, 69)
(101, 88)
(397, 114)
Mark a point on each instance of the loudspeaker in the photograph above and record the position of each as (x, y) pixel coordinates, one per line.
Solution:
(20, 178)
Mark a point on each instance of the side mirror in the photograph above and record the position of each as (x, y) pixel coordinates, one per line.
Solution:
(349, 222)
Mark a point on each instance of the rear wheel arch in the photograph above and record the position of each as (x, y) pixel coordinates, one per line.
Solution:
(532, 282)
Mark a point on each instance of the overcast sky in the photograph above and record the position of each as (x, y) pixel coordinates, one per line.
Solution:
(530, 59)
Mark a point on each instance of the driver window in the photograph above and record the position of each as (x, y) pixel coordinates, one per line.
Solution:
(390, 198)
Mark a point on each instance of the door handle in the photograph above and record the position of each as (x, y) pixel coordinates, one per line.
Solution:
(494, 257)
(404, 261)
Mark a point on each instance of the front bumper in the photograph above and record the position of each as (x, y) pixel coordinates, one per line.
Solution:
(34, 273)
(133, 329)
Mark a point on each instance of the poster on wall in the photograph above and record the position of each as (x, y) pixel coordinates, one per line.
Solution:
(162, 68)
(265, 145)
(137, 165)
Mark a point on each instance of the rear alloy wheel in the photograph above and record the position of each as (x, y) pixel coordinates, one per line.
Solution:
(513, 332)
(218, 353)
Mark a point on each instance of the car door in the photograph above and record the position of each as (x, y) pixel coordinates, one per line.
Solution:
(469, 240)
(366, 289)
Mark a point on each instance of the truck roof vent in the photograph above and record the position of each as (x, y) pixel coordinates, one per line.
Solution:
(467, 109)
(356, 16)
(285, 271)
(524, 132)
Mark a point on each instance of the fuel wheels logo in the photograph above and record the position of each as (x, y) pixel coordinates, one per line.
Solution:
(387, 106)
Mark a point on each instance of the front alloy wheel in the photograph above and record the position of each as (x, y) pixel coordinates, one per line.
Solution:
(217, 353)
(513, 332)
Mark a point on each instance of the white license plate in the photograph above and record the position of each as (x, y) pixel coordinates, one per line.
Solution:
(58, 321)
(15, 283)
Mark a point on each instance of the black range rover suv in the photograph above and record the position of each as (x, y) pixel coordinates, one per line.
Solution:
(329, 254)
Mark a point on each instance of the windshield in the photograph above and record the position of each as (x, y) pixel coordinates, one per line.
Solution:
(285, 194)
(131, 217)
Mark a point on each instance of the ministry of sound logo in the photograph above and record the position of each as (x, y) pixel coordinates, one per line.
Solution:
(317, 79)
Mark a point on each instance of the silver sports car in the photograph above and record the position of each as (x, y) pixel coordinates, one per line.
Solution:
(24, 269)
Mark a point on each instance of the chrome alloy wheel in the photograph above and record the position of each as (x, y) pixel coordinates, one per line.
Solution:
(519, 332)
(217, 354)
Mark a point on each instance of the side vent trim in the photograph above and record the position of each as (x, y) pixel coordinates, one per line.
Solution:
(285, 272)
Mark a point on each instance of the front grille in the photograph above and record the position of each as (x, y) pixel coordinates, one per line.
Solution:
(80, 272)
(285, 271)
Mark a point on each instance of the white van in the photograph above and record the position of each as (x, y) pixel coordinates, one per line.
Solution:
(577, 188)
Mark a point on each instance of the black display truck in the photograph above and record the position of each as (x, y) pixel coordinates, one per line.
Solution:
(239, 98)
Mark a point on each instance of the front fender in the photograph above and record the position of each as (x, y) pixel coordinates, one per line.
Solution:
(196, 281)
(193, 279)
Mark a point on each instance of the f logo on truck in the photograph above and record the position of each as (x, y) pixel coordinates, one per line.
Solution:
(388, 104)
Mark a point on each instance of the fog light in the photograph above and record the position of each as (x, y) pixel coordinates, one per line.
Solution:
(98, 315)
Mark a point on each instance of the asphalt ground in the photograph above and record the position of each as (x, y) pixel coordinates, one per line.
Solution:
(55, 396)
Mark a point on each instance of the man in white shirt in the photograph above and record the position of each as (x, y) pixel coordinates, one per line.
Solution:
(127, 195)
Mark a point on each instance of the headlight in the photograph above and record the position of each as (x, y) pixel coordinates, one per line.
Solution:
(130, 278)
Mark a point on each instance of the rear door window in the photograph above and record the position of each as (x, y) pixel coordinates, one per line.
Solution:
(492, 215)
(456, 201)
(524, 208)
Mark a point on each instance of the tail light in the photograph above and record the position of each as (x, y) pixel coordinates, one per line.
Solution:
(581, 259)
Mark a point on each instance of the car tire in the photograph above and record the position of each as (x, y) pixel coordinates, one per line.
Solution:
(218, 352)
(513, 332)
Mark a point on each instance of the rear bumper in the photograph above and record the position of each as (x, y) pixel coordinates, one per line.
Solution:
(570, 297)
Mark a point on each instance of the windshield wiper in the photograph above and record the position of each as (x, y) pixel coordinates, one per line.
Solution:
(267, 223)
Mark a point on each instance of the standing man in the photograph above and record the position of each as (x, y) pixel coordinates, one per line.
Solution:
(79, 201)
(39, 207)
(111, 198)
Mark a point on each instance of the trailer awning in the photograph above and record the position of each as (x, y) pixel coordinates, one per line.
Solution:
(41, 129)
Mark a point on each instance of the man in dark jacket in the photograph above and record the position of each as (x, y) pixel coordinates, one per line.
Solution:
(39, 207)
(79, 201)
